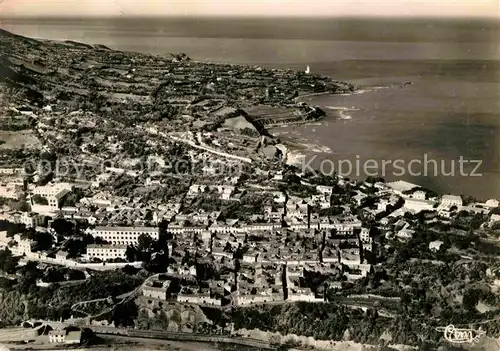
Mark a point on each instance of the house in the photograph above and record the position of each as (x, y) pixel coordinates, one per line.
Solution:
(418, 205)
(400, 186)
(124, 235)
(225, 191)
(445, 212)
(336, 286)
(364, 235)
(251, 299)
(11, 171)
(297, 208)
(495, 218)
(323, 189)
(202, 299)
(358, 198)
(435, 245)
(73, 337)
(61, 255)
(10, 191)
(53, 193)
(156, 292)
(196, 189)
(492, 203)
(4, 239)
(279, 197)
(405, 233)
(302, 294)
(451, 200)
(24, 246)
(106, 252)
(419, 195)
(278, 176)
(382, 205)
(57, 336)
(31, 220)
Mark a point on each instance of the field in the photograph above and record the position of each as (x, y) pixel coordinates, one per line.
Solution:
(18, 140)
(262, 112)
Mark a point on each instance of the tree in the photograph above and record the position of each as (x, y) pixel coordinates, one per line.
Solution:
(30, 274)
(8, 263)
(144, 242)
(12, 228)
(470, 299)
(38, 199)
(132, 254)
(74, 274)
(62, 226)
(54, 275)
(44, 241)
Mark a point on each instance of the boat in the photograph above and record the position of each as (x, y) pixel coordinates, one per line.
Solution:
(308, 69)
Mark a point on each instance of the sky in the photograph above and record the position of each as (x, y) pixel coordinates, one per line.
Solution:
(407, 8)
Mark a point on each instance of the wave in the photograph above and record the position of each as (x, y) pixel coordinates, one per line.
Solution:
(342, 108)
(342, 111)
(343, 115)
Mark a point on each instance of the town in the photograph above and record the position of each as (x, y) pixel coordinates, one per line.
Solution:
(177, 199)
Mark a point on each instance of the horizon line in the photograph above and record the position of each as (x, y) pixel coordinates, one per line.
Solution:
(240, 16)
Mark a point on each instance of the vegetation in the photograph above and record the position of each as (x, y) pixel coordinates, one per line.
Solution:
(25, 300)
(40, 200)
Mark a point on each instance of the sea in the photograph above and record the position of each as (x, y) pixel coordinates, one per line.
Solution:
(428, 92)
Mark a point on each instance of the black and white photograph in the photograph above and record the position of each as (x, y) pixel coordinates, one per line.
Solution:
(250, 175)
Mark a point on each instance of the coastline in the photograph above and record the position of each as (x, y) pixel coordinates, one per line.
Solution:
(354, 203)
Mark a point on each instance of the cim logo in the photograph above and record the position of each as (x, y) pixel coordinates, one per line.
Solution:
(460, 336)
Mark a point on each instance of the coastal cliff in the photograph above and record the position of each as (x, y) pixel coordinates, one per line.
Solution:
(71, 75)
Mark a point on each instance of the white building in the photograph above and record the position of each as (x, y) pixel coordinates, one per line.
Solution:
(297, 208)
(31, 220)
(4, 240)
(364, 235)
(327, 190)
(251, 299)
(124, 235)
(495, 218)
(400, 186)
(405, 233)
(11, 171)
(451, 200)
(57, 336)
(53, 193)
(10, 191)
(382, 205)
(435, 245)
(225, 191)
(61, 336)
(154, 292)
(419, 195)
(418, 205)
(24, 246)
(279, 197)
(343, 226)
(61, 255)
(304, 294)
(445, 212)
(200, 299)
(106, 252)
(197, 189)
(492, 203)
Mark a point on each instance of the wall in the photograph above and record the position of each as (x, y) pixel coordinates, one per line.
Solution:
(73, 264)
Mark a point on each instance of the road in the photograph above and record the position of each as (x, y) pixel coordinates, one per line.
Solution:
(124, 298)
